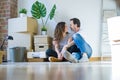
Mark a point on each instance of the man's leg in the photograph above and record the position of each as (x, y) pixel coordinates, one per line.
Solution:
(72, 54)
(84, 47)
(73, 48)
(76, 53)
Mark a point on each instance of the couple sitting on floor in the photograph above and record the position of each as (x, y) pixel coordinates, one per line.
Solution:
(68, 46)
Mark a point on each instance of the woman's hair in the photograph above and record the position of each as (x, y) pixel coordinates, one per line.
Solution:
(58, 33)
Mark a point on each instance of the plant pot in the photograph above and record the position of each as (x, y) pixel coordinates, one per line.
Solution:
(43, 32)
(22, 15)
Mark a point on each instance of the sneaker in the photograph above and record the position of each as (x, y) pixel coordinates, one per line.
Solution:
(69, 57)
(54, 59)
(84, 58)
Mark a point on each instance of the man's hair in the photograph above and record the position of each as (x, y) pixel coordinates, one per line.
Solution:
(76, 21)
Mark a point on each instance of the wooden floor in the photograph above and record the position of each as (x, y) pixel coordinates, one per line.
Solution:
(56, 71)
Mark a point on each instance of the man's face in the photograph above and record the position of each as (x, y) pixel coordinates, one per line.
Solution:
(72, 26)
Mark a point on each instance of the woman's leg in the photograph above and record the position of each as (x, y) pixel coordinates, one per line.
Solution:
(51, 52)
(82, 44)
(52, 56)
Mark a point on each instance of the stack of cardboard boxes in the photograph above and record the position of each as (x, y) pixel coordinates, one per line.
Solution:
(41, 44)
(22, 30)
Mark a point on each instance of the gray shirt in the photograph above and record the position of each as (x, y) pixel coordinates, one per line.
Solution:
(64, 41)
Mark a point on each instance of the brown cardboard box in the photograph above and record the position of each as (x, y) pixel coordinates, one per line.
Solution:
(23, 24)
(1, 56)
(41, 47)
(42, 39)
(35, 59)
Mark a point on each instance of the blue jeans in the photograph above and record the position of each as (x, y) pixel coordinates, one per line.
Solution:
(82, 45)
(53, 53)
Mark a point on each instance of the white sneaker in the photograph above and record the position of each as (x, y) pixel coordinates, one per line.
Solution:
(84, 58)
(69, 57)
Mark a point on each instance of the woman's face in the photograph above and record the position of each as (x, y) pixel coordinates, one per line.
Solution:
(66, 28)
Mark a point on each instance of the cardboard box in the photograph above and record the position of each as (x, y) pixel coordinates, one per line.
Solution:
(42, 39)
(35, 59)
(36, 54)
(1, 56)
(41, 47)
(23, 24)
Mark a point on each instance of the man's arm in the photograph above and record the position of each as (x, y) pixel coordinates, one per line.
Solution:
(70, 44)
(67, 46)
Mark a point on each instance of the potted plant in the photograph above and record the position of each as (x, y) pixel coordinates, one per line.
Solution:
(23, 12)
(43, 30)
(39, 12)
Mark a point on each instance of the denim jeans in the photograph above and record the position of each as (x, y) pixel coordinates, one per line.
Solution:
(72, 49)
(51, 52)
(82, 45)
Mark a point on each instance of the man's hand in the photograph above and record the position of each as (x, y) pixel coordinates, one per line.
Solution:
(66, 47)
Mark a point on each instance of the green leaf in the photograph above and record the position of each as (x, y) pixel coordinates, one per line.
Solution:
(38, 10)
(23, 10)
(42, 10)
(52, 12)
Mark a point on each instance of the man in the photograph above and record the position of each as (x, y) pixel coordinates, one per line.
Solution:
(85, 49)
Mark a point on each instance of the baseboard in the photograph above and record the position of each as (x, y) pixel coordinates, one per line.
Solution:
(95, 59)
(100, 59)
(106, 58)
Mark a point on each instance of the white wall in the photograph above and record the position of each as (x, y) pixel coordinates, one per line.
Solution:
(88, 11)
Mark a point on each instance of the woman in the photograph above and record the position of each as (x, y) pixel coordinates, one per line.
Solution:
(61, 38)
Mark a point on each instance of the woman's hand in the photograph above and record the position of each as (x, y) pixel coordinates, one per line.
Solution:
(60, 56)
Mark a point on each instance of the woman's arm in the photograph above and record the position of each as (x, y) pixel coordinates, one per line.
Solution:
(56, 45)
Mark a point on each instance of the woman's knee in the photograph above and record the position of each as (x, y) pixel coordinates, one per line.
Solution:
(48, 51)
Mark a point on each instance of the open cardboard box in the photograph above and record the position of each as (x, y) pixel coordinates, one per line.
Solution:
(1, 56)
